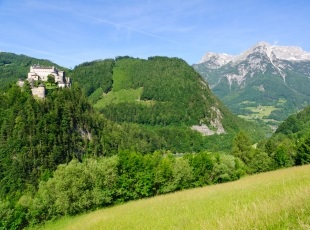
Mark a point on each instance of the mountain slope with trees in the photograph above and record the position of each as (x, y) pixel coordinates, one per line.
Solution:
(38, 135)
(291, 141)
(288, 146)
(164, 95)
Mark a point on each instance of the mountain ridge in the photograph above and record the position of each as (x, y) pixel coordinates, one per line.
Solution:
(275, 72)
(280, 52)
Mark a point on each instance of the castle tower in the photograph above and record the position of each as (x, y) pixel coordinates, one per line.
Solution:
(39, 91)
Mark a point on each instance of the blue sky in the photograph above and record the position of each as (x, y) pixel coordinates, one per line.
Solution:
(72, 32)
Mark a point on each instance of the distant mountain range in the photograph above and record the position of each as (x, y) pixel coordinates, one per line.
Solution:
(266, 82)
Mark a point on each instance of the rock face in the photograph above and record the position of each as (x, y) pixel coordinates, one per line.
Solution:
(215, 127)
(265, 75)
(215, 61)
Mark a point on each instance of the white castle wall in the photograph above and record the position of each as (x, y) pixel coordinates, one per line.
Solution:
(38, 72)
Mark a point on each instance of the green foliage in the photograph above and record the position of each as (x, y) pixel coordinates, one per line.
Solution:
(172, 174)
(76, 187)
(303, 152)
(171, 84)
(96, 95)
(99, 182)
(227, 168)
(289, 144)
(242, 147)
(260, 162)
(296, 124)
(283, 156)
(102, 181)
(202, 165)
(50, 78)
(135, 176)
(94, 75)
(12, 216)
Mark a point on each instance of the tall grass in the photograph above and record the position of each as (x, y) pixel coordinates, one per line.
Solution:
(273, 200)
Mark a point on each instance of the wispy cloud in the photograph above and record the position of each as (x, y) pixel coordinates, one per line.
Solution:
(145, 19)
(129, 28)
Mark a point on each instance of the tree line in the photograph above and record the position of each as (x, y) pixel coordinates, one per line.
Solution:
(98, 182)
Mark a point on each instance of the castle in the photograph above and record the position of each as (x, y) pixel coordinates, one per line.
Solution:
(43, 74)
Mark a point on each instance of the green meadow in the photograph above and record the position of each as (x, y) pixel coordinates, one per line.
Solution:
(124, 95)
(262, 111)
(273, 200)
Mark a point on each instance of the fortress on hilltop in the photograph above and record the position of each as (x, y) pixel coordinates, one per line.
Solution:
(43, 74)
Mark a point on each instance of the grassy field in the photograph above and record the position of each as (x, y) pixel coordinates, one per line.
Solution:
(273, 200)
(261, 111)
(124, 95)
(119, 91)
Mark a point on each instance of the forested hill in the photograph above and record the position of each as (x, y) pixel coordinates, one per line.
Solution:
(13, 67)
(296, 124)
(38, 135)
(164, 95)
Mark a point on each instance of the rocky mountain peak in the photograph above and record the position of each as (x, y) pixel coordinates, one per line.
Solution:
(290, 53)
(216, 60)
(256, 60)
(271, 52)
(259, 48)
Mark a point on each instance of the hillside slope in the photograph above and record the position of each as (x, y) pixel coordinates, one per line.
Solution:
(164, 95)
(38, 135)
(290, 144)
(297, 124)
(273, 200)
(268, 82)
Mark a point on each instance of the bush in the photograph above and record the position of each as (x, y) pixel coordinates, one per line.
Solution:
(76, 187)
